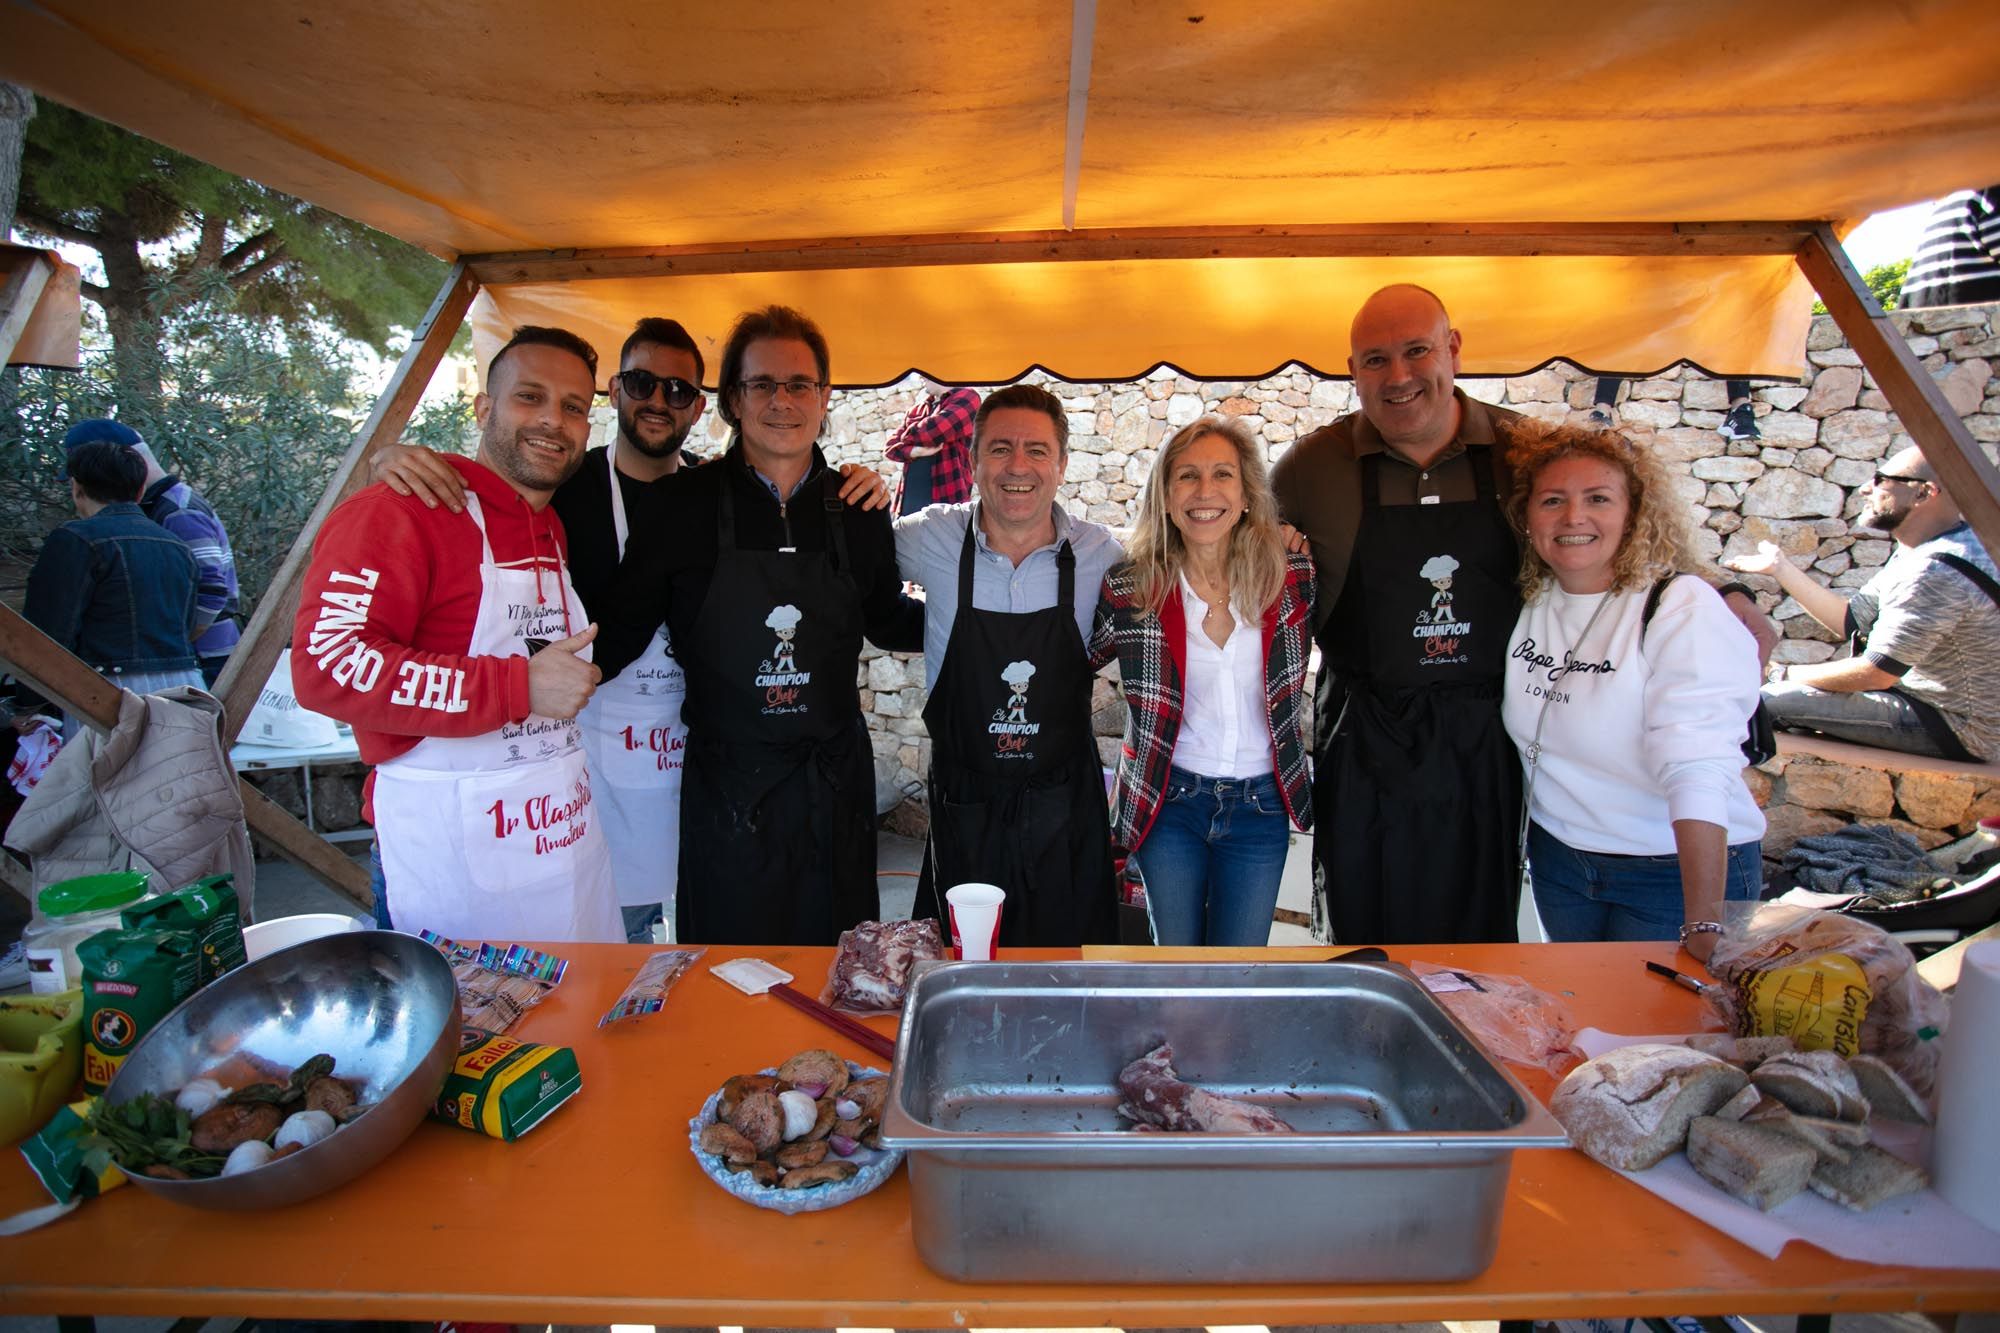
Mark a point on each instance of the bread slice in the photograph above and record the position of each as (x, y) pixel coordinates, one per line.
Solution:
(1831, 1139)
(1742, 1105)
(1867, 1178)
(1630, 1108)
(1814, 1083)
(1887, 1093)
(1758, 1165)
(1745, 1052)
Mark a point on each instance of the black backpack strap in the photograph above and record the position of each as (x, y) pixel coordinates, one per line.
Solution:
(1653, 597)
(1973, 572)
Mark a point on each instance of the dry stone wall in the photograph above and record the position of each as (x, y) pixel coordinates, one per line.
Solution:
(1799, 486)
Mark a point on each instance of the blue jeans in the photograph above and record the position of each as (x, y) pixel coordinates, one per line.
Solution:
(640, 920)
(1601, 896)
(1213, 858)
(378, 882)
(1885, 719)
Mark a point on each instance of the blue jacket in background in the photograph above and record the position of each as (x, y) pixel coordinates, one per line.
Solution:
(118, 590)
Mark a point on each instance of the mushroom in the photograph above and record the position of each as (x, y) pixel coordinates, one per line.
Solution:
(761, 1119)
(815, 1072)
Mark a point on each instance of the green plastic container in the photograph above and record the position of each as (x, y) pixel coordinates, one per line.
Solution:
(66, 914)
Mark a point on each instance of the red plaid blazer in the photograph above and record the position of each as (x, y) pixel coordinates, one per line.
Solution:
(1152, 657)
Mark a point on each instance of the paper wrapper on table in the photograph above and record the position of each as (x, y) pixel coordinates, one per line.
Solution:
(1965, 1151)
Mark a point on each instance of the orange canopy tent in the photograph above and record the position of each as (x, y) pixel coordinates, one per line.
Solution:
(1091, 186)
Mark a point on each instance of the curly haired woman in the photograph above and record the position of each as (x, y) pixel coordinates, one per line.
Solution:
(1629, 686)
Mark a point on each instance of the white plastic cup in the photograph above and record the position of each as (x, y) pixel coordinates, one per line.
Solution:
(975, 919)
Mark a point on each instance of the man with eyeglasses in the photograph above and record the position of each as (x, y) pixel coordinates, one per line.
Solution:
(1924, 675)
(767, 581)
(632, 731)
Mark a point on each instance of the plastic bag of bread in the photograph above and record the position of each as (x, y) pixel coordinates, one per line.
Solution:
(1830, 983)
(1512, 1019)
(871, 971)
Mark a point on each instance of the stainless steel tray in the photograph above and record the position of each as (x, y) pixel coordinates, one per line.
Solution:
(1005, 1094)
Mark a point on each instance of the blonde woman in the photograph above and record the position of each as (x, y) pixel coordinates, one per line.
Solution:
(1212, 621)
(1629, 688)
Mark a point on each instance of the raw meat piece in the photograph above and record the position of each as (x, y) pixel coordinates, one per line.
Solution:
(871, 972)
(1156, 1098)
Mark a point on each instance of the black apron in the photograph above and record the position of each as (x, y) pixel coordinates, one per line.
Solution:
(1017, 791)
(778, 793)
(1418, 788)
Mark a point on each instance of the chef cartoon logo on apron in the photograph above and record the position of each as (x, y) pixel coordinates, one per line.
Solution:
(778, 675)
(1010, 727)
(1438, 628)
(664, 676)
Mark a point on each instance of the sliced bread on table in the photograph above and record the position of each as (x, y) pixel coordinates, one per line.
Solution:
(1630, 1108)
(1747, 1052)
(1816, 1083)
(1887, 1092)
(1742, 1106)
(1866, 1178)
(1831, 1139)
(1755, 1163)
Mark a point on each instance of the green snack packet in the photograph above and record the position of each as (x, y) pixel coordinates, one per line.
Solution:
(57, 1156)
(207, 907)
(131, 980)
(505, 1087)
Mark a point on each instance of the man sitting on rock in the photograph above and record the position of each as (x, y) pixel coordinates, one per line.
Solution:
(1924, 677)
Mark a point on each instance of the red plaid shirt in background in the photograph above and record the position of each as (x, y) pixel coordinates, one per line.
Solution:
(944, 423)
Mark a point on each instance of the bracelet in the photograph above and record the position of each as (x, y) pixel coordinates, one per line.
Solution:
(1700, 928)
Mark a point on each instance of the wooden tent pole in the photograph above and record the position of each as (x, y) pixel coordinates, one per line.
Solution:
(1961, 465)
(271, 628)
(1405, 240)
(54, 672)
(27, 274)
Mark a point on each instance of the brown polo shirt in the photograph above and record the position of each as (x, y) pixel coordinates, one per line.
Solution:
(1318, 482)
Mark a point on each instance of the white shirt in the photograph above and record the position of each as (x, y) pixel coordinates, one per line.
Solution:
(1637, 736)
(1225, 722)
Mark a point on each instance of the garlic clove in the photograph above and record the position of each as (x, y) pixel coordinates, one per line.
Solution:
(246, 1157)
(801, 1113)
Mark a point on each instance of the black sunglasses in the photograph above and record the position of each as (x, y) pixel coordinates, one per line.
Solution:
(1884, 478)
(639, 385)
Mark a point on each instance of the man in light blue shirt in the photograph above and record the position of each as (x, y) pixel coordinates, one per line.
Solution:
(1011, 583)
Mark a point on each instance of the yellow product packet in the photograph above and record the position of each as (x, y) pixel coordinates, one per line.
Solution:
(1819, 1003)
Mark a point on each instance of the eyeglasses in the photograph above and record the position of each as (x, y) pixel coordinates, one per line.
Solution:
(1885, 478)
(639, 385)
(761, 390)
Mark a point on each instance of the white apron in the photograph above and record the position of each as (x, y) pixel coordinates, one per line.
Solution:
(495, 836)
(633, 735)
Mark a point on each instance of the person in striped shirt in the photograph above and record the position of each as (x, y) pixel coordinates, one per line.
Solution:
(183, 511)
(1958, 260)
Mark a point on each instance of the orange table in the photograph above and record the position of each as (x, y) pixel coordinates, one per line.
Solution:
(600, 1215)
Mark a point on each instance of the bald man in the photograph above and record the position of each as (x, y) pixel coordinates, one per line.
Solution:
(1417, 788)
(1924, 676)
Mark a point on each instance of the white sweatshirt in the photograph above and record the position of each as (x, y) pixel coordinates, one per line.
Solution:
(1635, 739)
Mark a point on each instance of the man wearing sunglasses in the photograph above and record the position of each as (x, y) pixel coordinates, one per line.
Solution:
(1924, 675)
(632, 730)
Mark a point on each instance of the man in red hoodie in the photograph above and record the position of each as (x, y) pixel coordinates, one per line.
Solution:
(456, 647)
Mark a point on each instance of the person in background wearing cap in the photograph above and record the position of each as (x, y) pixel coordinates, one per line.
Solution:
(456, 645)
(183, 511)
(112, 586)
(632, 728)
